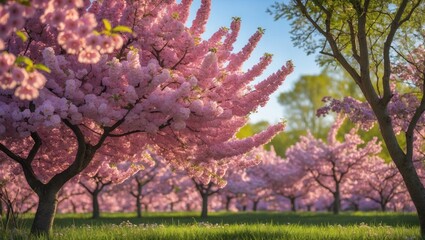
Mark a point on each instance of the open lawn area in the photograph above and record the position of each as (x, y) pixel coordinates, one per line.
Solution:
(258, 225)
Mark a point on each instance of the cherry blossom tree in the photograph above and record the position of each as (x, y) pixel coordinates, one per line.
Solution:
(15, 195)
(236, 186)
(331, 163)
(382, 182)
(148, 171)
(73, 198)
(283, 177)
(211, 184)
(94, 182)
(77, 76)
(205, 191)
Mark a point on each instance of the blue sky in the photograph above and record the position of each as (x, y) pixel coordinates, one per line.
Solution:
(276, 41)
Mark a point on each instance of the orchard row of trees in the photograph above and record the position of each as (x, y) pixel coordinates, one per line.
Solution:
(316, 175)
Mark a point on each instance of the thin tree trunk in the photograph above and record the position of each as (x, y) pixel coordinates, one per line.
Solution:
(138, 197)
(96, 210)
(74, 207)
(356, 207)
(228, 200)
(244, 207)
(139, 206)
(337, 200)
(172, 207)
(255, 205)
(204, 212)
(45, 214)
(1, 208)
(293, 207)
(383, 206)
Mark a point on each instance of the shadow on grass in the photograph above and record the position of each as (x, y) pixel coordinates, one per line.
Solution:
(274, 218)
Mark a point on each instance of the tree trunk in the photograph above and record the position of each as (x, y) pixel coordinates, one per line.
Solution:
(244, 207)
(383, 207)
(74, 207)
(139, 207)
(228, 200)
(416, 190)
(204, 212)
(96, 210)
(255, 205)
(403, 162)
(172, 207)
(293, 207)
(337, 200)
(44, 217)
(355, 207)
(139, 199)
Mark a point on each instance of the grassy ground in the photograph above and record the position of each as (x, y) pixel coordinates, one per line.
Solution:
(261, 225)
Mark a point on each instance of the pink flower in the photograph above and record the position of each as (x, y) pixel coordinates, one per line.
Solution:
(73, 45)
(117, 41)
(89, 20)
(93, 42)
(6, 61)
(35, 79)
(71, 25)
(57, 19)
(88, 56)
(64, 36)
(72, 14)
(106, 45)
(26, 92)
(19, 74)
(1, 44)
(83, 30)
(7, 82)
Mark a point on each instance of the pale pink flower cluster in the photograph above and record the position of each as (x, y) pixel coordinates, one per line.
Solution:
(27, 84)
(76, 33)
(12, 18)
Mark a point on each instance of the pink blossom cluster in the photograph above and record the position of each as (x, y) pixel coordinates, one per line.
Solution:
(59, 21)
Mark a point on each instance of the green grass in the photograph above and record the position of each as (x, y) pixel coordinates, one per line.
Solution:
(261, 225)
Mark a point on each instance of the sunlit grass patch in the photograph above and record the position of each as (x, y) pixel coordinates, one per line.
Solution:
(223, 225)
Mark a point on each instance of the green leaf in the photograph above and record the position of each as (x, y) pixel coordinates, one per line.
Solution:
(22, 36)
(107, 24)
(25, 60)
(105, 32)
(24, 2)
(121, 28)
(42, 67)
